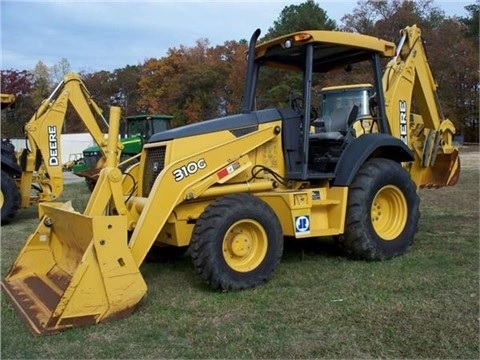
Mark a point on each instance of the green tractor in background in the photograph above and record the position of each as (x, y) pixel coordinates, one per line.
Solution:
(136, 130)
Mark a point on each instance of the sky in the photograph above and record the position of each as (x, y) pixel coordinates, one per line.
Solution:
(107, 35)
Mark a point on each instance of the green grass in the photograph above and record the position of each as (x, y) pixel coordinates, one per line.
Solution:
(319, 304)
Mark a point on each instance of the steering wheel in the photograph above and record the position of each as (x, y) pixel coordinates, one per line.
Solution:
(297, 104)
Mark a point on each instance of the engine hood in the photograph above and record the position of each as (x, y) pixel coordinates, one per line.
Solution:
(231, 122)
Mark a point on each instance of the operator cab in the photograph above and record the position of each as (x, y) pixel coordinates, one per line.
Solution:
(311, 60)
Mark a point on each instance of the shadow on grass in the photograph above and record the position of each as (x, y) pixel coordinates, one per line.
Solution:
(298, 249)
(181, 267)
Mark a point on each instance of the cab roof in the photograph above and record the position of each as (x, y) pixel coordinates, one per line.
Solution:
(331, 49)
(150, 117)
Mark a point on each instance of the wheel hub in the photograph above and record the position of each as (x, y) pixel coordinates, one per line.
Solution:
(389, 212)
(240, 245)
(245, 245)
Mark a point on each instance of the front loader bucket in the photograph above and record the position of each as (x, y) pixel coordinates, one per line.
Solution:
(74, 270)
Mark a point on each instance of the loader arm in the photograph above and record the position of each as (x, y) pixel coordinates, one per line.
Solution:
(161, 203)
(41, 163)
(414, 113)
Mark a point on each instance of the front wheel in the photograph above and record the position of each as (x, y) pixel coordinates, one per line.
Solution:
(382, 213)
(237, 242)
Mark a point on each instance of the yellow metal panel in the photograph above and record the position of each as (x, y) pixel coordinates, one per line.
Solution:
(337, 213)
(176, 234)
(309, 212)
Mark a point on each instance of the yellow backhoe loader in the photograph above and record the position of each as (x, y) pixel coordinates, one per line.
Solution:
(35, 174)
(231, 188)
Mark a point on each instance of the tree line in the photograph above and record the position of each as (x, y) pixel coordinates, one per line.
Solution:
(203, 81)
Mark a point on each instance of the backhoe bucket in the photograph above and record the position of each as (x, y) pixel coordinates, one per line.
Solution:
(445, 171)
(74, 270)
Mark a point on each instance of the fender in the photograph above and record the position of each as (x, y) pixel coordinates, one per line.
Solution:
(366, 146)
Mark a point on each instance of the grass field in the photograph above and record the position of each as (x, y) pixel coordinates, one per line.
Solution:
(319, 304)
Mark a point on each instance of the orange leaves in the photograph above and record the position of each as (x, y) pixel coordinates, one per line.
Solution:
(195, 83)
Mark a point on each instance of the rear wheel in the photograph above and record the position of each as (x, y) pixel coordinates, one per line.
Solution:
(10, 198)
(383, 212)
(237, 242)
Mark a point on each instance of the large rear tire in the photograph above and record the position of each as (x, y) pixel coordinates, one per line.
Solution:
(383, 212)
(237, 242)
(10, 198)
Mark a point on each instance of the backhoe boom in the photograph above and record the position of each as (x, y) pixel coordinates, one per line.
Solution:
(420, 124)
(40, 164)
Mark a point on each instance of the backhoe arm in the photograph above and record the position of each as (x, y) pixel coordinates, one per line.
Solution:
(415, 116)
(42, 162)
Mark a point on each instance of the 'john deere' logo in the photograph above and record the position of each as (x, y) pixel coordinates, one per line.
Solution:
(403, 121)
(52, 146)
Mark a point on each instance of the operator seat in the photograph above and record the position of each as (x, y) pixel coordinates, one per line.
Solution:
(336, 126)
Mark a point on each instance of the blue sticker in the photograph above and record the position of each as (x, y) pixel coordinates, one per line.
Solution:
(302, 224)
